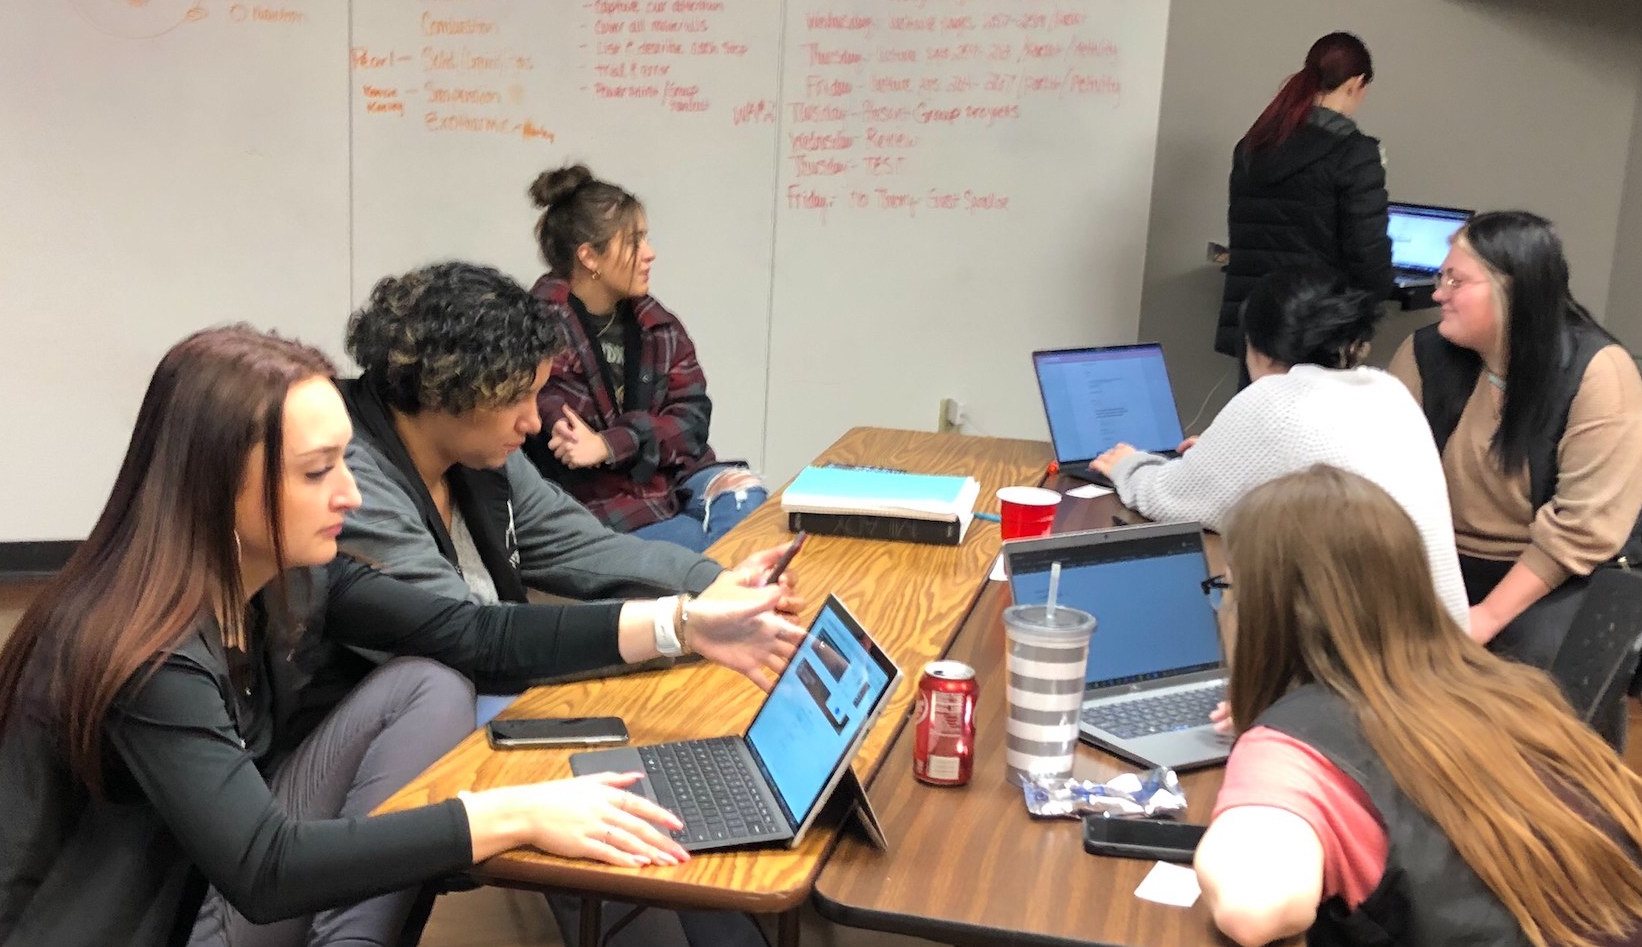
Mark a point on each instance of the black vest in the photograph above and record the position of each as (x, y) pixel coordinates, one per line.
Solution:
(1448, 375)
(1428, 895)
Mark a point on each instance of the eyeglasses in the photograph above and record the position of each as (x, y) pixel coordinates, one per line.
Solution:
(1451, 282)
(1215, 587)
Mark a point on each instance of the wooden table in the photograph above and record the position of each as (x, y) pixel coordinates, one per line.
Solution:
(967, 865)
(911, 597)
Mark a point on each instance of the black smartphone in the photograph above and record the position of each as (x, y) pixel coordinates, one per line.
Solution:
(1158, 839)
(786, 557)
(556, 731)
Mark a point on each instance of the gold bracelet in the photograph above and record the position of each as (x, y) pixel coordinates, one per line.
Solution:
(682, 622)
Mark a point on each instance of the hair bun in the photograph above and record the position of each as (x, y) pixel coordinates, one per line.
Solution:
(551, 187)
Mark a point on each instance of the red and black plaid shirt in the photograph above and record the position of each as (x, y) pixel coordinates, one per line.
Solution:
(655, 446)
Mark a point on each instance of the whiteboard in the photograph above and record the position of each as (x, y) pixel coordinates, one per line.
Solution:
(160, 171)
(965, 182)
(858, 207)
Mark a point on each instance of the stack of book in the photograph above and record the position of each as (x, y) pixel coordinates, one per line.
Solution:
(872, 503)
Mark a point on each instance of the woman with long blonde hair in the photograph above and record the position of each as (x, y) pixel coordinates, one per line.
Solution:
(1391, 775)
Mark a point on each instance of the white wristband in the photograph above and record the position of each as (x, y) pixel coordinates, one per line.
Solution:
(667, 641)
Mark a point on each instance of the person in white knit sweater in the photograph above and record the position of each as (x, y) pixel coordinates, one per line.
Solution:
(1310, 402)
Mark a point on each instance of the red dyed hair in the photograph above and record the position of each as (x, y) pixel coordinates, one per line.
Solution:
(1331, 61)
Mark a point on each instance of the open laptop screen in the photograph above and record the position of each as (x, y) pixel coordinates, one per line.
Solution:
(820, 703)
(1419, 235)
(1151, 616)
(1096, 397)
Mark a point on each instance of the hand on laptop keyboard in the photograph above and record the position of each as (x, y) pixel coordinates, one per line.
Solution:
(585, 817)
(1221, 717)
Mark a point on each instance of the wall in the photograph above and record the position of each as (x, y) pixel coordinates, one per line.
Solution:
(850, 199)
(1625, 289)
(1482, 104)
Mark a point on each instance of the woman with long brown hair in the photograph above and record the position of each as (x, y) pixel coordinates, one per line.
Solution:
(169, 711)
(1391, 774)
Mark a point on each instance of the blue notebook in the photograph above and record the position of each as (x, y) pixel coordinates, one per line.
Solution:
(848, 489)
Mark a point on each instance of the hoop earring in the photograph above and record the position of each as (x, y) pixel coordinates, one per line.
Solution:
(239, 551)
(595, 274)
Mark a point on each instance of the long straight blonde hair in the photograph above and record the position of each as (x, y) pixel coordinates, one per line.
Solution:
(1333, 588)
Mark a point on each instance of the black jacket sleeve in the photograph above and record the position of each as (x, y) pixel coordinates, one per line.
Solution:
(174, 733)
(495, 643)
(1364, 243)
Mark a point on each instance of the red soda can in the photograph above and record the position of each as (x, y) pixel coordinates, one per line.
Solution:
(943, 746)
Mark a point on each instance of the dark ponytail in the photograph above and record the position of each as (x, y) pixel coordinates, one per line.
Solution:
(1329, 63)
(1309, 316)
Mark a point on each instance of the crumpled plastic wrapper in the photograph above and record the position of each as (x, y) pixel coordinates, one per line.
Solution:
(1153, 793)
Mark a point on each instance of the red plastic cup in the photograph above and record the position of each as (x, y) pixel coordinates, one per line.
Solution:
(1026, 511)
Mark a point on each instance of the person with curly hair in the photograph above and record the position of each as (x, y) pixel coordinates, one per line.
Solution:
(453, 357)
(627, 399)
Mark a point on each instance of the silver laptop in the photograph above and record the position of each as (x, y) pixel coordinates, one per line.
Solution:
(1156, 668)
(767, 786)
(1097, 397)
(1419, 240)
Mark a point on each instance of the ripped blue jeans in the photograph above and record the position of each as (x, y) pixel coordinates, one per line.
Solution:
(698, 525)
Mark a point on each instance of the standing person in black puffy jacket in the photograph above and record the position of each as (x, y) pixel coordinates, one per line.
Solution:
(1306, 186)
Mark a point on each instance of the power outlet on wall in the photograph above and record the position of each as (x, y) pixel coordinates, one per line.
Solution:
(952, 417)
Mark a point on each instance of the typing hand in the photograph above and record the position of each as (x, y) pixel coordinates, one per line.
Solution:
(589, 817)
(753, 571)
(737, 626)
(1186, 444)
(575, 444)
(1105, 462)
(1221, 717)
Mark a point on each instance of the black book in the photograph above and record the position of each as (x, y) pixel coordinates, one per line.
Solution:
(877, 526)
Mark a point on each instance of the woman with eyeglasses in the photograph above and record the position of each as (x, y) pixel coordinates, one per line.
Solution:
(1537, 413)
(1307, 187)
(1392, 782)
(1312, 401)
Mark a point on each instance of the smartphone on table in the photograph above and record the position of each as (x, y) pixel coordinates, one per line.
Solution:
(787, 557)
(556, 731)
(1159, 839)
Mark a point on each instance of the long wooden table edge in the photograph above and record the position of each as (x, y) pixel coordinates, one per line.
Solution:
(532, 870)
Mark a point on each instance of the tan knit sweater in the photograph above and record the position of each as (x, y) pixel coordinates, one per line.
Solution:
(1599, 474)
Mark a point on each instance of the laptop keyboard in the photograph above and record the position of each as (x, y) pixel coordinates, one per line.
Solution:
(1145, 716)
(708, 785)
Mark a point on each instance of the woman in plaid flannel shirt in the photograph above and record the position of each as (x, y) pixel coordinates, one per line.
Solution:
(626, 399)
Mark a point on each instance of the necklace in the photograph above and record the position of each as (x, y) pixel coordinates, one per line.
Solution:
(1495, 380)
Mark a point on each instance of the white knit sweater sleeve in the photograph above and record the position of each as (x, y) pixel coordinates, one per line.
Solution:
(1238, 452)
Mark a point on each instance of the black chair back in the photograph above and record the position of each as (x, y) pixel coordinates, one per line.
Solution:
(1598, 658)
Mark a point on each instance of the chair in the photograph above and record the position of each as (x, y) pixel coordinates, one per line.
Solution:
(1599, 656)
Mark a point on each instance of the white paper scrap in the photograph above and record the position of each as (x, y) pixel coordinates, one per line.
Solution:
(1170, 884)
(997, 570)
(1089, 491)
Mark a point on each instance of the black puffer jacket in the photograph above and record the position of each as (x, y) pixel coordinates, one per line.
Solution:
(1318, 198)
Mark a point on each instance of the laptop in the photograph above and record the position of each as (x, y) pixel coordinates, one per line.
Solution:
(1419, 240)
(1155, 664)
(767, 786)
(1097, 397)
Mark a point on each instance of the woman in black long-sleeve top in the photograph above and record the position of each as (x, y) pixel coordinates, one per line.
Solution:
(1307, 187)
(168, 715)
